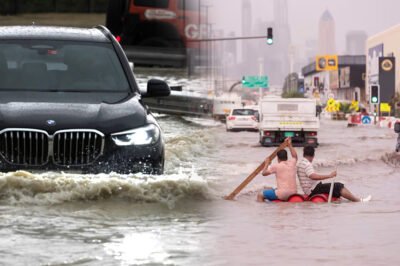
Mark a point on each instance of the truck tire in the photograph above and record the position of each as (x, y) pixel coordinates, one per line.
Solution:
(115, 16)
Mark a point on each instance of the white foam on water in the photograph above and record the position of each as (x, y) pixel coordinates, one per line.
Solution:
(54, 188)
(206, 122)
(392, 159)
(184, 150)
(386, 157)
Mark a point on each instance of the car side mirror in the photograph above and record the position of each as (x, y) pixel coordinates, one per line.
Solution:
(131, 65)
(157, 88)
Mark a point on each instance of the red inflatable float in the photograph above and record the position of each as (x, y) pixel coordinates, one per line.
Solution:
(319, 198)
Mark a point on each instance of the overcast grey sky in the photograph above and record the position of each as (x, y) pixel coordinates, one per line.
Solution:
(371, 16)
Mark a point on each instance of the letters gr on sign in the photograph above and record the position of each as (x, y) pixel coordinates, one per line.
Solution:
(193, 31)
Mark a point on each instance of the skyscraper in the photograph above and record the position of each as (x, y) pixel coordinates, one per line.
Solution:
(355, 42)
(246, 26)
(278, 55)
(326, 37)
(281, 12)
(257, 55)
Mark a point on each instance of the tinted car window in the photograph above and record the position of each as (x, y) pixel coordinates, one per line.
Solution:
(152, 3)
(70, 66)
(239, 112)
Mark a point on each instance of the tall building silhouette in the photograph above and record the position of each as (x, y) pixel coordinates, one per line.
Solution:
(230, 48)
(326, 37)
(281, 12)
(257, 55)
(246, 27)
(356, 42)
(277, 56)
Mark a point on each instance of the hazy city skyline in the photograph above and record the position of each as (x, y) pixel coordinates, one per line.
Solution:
(304, 16)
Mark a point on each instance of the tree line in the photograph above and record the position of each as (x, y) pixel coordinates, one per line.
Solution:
(14, 7)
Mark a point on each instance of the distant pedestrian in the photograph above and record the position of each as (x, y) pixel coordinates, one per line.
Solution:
(285, 173)
(364, 111)
(318, 110)
(311, 183)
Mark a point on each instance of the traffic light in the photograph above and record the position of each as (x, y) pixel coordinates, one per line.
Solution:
(374, 94)
(270, 36)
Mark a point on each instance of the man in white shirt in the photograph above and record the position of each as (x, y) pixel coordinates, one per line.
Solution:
(311, 183)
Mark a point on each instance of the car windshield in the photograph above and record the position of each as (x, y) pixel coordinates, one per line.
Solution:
(239, 112)
(62, 66)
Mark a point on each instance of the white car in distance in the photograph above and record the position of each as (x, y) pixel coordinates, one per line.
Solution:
(242, 119)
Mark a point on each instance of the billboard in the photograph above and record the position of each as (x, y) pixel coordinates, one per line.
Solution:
(334, 80)
(373, 63)
(387, 79)
(326, 63)
(344, 77)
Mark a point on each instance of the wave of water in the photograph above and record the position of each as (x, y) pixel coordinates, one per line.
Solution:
(187, 144)
(186, 150)
(392, 159)
(23, 187)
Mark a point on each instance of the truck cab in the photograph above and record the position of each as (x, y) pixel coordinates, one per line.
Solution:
(159, 32)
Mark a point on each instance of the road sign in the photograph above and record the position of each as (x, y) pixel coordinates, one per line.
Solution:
(385, 108)
(255, 82)
(366, 120)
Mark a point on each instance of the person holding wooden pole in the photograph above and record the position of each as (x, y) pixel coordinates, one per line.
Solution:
(285, 173)
(265, 163)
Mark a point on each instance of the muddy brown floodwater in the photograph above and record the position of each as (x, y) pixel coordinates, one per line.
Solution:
(250, 233)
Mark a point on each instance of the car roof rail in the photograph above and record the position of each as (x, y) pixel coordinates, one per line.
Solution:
(106, 31)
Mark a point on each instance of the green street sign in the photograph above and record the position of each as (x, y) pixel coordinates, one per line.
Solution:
(255, 82)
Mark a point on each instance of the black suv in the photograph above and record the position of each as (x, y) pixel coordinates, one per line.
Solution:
(69, 101)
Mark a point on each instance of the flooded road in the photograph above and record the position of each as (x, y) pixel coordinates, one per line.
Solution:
(179, 218)
(306, 233)
(58, 218)
(72, 219)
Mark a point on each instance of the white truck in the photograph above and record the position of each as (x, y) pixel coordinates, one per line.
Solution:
(292, 117)
(224, 104)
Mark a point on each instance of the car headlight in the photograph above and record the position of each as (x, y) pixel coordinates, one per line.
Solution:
(139, 136)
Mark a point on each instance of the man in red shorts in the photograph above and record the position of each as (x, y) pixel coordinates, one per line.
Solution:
(285, 172)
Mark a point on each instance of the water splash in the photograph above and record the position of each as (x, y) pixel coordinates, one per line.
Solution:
(54, 188)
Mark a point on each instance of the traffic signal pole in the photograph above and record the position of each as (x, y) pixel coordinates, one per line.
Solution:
(228, 39)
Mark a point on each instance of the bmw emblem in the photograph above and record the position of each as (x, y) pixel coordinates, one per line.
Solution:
(51, 122)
